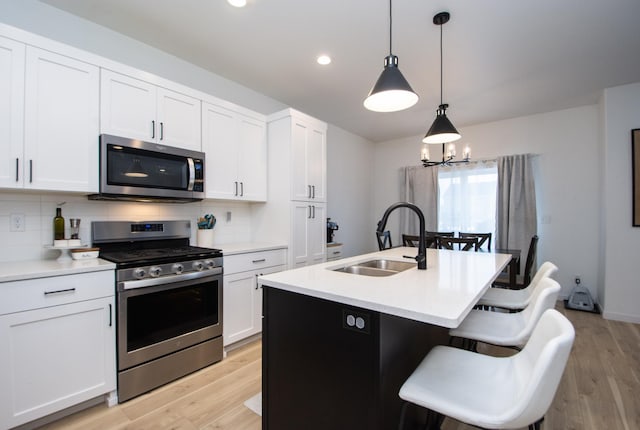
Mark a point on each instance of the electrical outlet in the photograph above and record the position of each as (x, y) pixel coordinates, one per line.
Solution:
(16, 222)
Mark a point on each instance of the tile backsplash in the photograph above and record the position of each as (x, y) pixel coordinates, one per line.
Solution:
(40, 208)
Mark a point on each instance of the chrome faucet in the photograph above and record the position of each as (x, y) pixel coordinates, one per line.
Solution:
(421, 258)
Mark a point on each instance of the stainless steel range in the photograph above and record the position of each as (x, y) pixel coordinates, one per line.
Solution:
(168, 299)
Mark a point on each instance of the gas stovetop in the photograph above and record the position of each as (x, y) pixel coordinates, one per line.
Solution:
(133, 244)
(153, 255)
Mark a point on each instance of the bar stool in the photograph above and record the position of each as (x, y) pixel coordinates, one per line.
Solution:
(517, 299)
(493, 392)
(508, 329)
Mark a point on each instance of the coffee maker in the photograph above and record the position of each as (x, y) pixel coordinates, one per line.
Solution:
(331, 227)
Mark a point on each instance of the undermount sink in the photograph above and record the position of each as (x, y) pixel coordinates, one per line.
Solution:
(377, 267)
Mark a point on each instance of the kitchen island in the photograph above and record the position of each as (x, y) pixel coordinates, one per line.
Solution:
(337, 346)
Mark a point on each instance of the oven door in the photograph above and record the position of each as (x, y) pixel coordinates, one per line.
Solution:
(156, 320)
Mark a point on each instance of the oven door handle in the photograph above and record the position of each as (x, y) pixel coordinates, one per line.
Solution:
(152, 282)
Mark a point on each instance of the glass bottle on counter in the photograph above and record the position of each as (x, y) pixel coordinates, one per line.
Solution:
(58, 225)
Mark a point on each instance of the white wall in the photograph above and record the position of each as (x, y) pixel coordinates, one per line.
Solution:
(567, 170)
(621, 248)
(349, 178)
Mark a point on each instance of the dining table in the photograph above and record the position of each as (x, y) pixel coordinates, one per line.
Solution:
(513, 265)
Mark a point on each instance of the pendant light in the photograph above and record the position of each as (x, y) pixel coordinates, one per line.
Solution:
(441, 131)
(391, 91)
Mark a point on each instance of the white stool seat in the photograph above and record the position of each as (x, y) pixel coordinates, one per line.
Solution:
(517, 299)
(495, 392)
(460, 383)
(509, 329)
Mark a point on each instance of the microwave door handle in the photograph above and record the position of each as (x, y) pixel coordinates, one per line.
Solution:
(192, 174)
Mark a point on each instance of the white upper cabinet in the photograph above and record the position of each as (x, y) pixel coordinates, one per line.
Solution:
(236, 150)
(136, 109)
(48, 120)
(11, 113)
(309, 152)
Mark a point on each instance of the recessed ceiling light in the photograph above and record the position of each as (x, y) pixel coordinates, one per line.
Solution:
(237, 3)
(324, 60)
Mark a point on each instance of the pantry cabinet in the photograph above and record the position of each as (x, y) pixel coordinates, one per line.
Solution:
(136, 109)
(49, 116)
(236, 148)
(296, 209)
(58, 337)
(242, 305)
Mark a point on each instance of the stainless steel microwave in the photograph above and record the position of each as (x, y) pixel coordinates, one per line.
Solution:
(144, 171)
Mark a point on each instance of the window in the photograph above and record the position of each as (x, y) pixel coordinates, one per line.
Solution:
(467, 198)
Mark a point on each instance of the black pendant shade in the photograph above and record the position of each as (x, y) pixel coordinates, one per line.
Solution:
(391, 91)
(442, 130)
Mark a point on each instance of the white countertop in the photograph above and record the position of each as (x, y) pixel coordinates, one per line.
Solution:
(244, 247)
(442, 295)
(20, 270)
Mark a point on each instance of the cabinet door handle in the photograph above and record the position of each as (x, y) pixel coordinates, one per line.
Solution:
(309, 187)
(241, 189)
(236, 191)
(309, 216)
(313, 188)
(161, 130)
(153, 129)
(262, 260)
(314, 211)
(30, 171)
(68, 290)
(110, 315)
(17, 172)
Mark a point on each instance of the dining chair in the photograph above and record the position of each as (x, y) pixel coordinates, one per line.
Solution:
(493, 392)
(384, 240)
(413, 241)
(508, 329)
(440, 233)
(525, 278)
(482, 238)
(458, 243)
(517, 299)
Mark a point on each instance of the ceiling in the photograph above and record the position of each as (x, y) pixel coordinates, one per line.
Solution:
(502, 58)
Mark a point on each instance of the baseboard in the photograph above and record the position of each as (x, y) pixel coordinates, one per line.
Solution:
(621, 317)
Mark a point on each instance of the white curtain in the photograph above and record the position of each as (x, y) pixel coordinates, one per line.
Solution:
(516, 217)
(421, 189)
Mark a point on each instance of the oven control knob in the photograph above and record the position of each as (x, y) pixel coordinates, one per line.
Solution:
(139, 273)
(197, 265)
(177, 268)
(155, 271)
(209, 264)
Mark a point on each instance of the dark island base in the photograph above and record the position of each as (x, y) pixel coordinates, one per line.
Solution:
(327, 365)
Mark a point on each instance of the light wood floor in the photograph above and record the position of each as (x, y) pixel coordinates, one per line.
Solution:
(600, 389)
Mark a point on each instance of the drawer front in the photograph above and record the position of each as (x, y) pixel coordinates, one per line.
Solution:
(55, 290)
(254, 260)
(334, 252)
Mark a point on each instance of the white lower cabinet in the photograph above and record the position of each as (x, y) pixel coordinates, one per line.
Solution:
(58, 344)
(242, 298)
(308, 243)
